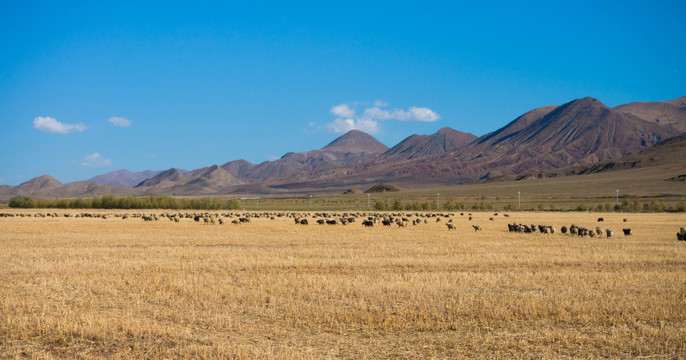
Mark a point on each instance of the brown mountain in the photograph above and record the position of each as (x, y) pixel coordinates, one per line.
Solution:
(583, 131)
(81, 189)
(42, 183)
(669, 155)
(165, 179)
(443, 141)
(209, 180)
(238, 168)
(672, 112)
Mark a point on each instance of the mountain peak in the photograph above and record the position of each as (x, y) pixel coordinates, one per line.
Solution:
(584, 102)
(41, 182)
(168, 175)
(356, 141)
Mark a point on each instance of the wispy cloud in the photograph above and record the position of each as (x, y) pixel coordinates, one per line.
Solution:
(51, 125)
(347, 118)
(311, 128)
(96, 160)
(419, 114)
(119, 121)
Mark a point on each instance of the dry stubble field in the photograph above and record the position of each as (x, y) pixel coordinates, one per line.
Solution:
(94, 288)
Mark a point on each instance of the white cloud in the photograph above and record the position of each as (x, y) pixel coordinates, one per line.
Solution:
(378, 113)
(119, 121)
(420, 114)
(369, 121)
(96, 160)
(340, 126)
(416, 114)
(368, 125)
(343, 111)
(51, 125)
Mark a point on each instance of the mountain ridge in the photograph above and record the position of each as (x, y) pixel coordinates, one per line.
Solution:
(443, 141)
(580, 132)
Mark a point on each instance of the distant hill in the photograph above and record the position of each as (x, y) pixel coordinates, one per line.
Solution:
(123, 177)
(44, 182)
(672, 113)
(381, 188)
(353, 192)
(209, 180)
(33, 187)
(46, 187)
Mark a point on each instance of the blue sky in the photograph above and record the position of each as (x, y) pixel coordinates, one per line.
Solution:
(87, 87)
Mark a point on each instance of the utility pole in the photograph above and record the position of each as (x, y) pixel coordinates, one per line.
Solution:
(310, 201)
(519, 200)
(617, 197)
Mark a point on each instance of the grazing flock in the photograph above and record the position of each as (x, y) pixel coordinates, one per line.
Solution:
(370, 219)
(571, 230)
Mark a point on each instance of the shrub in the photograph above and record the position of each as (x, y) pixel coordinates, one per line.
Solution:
(25, 202)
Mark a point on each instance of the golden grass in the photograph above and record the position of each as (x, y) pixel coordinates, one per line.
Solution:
(93, 288)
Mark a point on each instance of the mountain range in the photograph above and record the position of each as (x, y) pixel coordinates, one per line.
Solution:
(578, 134)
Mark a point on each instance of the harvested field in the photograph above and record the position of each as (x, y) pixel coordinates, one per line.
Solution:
(128, 288)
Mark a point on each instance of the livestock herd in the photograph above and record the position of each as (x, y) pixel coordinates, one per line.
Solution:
(324, 218)
(573, 230)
